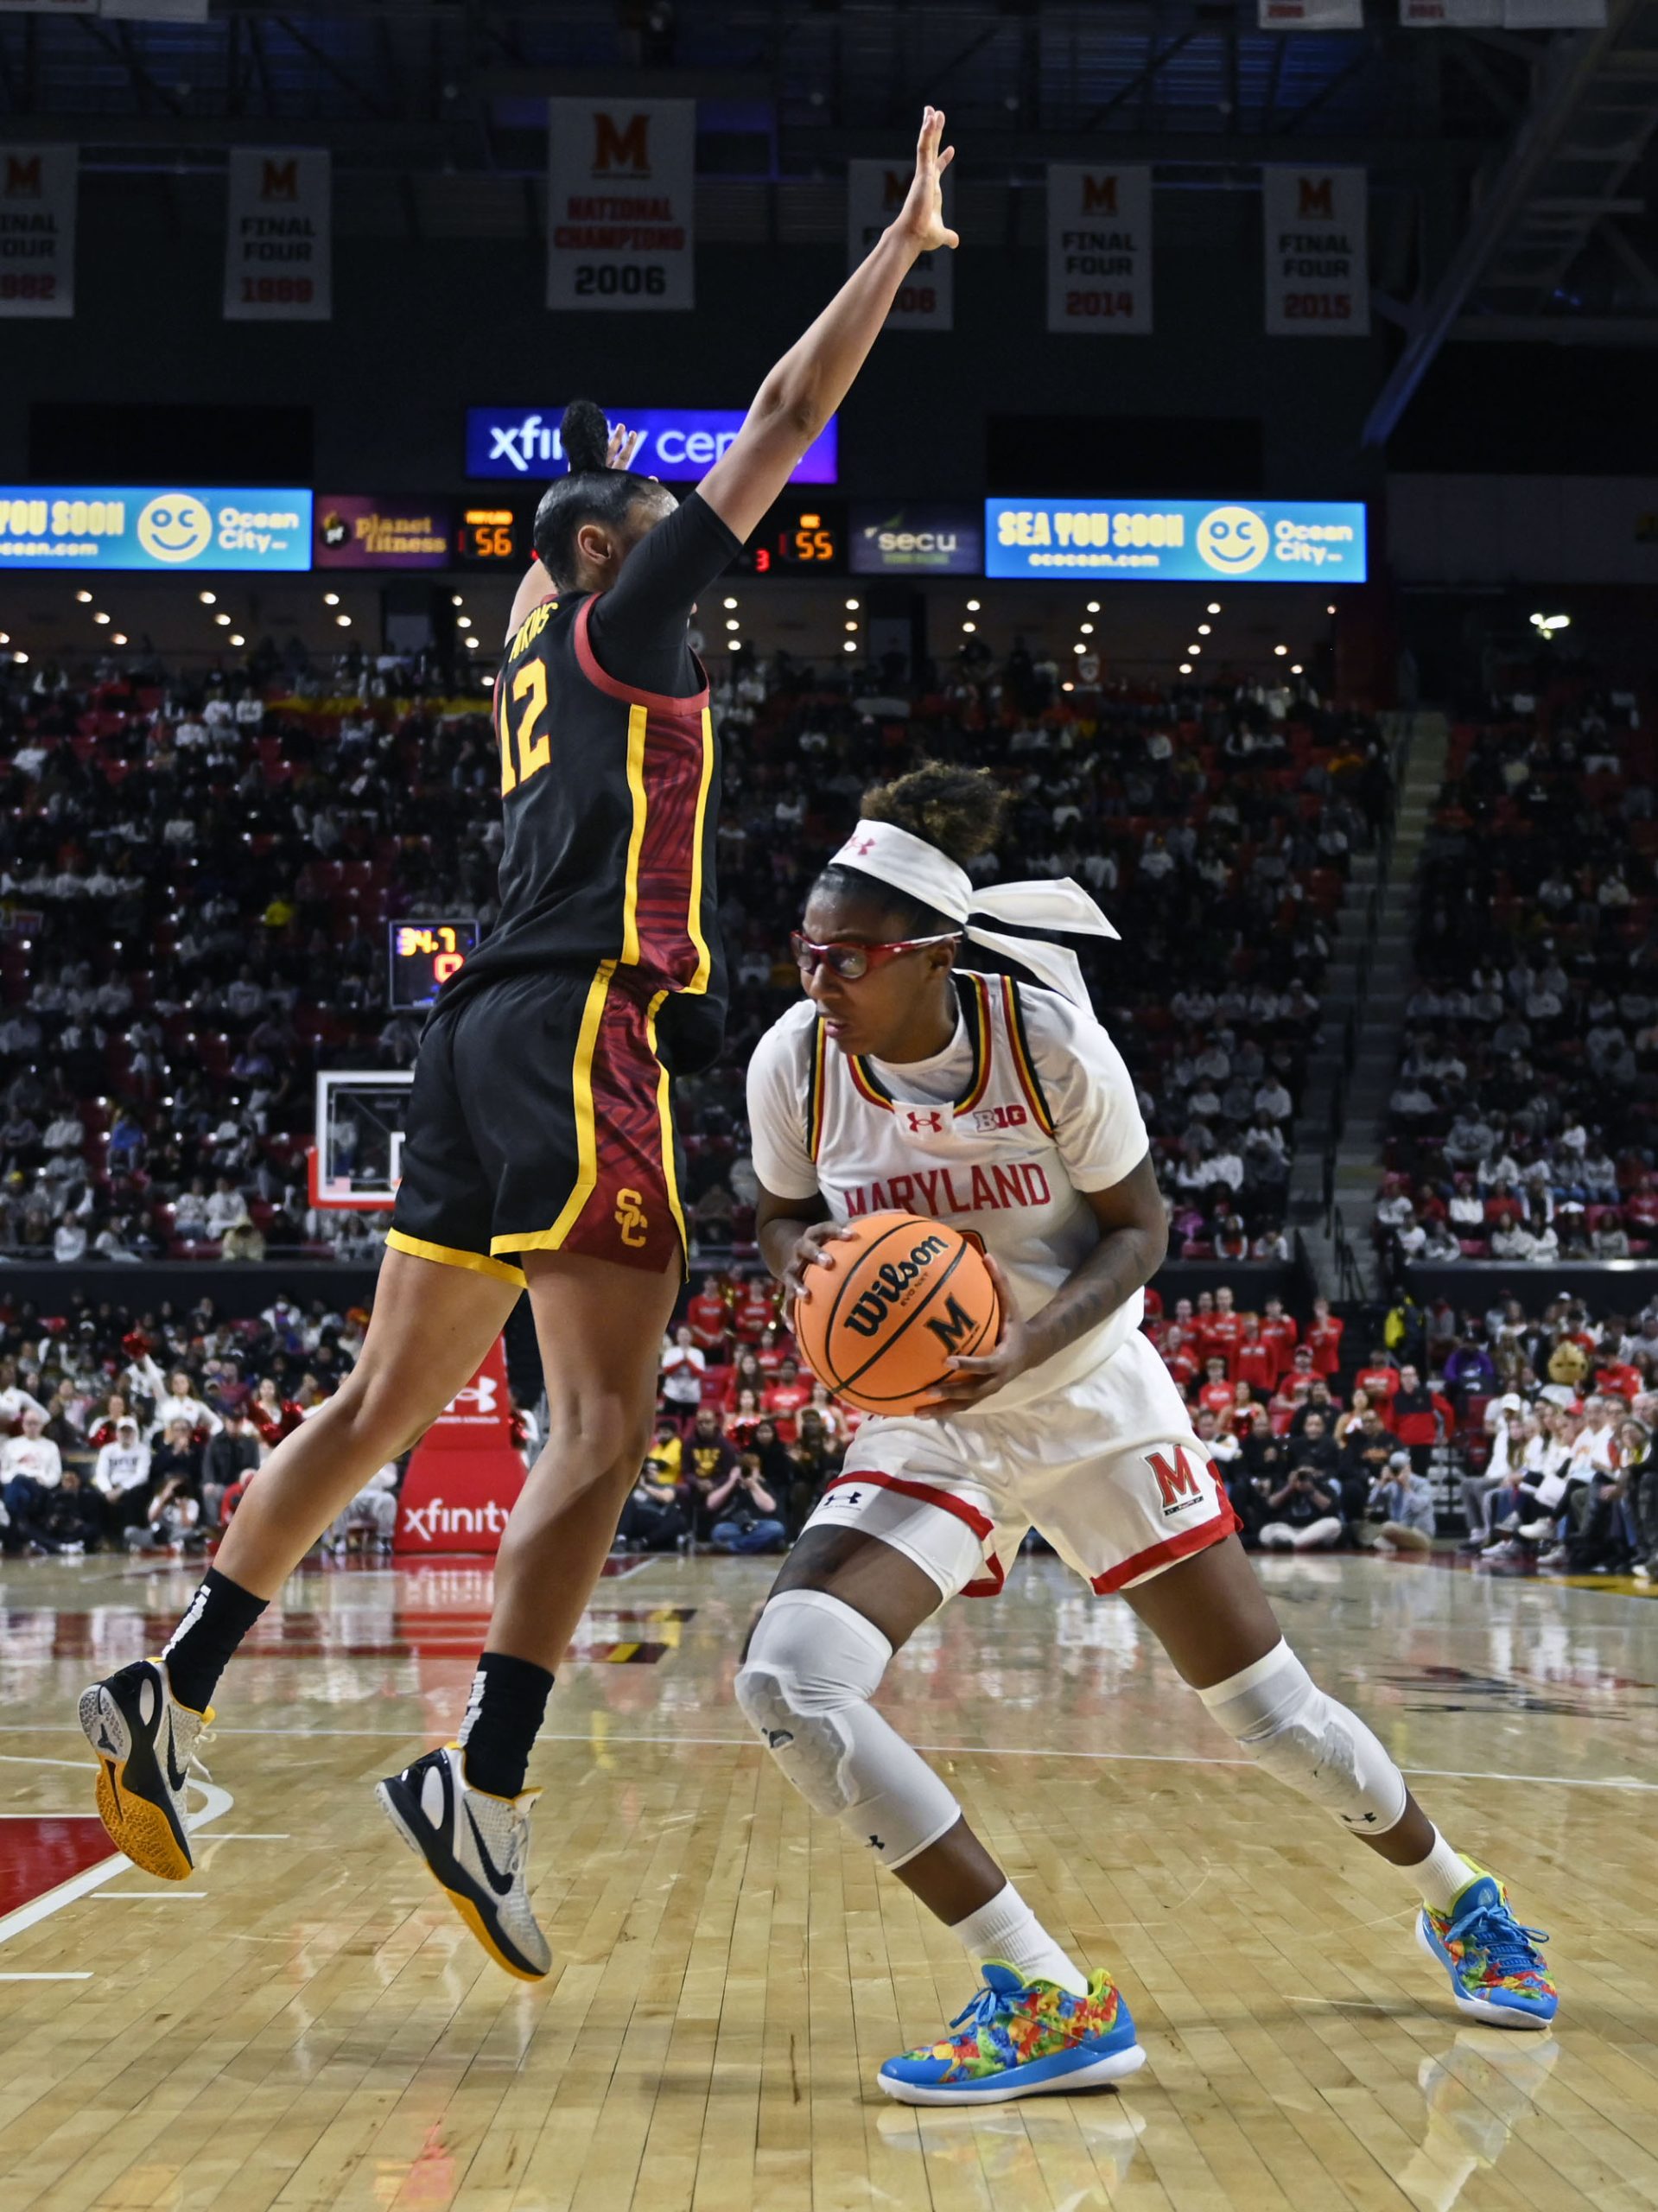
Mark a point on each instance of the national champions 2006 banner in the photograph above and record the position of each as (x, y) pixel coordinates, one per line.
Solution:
(622, 204)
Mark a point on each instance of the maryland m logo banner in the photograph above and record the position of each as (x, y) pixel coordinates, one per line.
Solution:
(279, 235)
(37, 230)
(621, 182)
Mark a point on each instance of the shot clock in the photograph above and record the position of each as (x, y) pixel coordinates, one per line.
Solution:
(798, 537)
(424, 955)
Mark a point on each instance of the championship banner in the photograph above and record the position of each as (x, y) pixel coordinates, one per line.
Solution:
(622, 204)
(875, 192)
(37, 229)
(1454, 15)
(1099, 249)
(1310, 15)
(1318, 262)
(49, 7)
(279, 236)
(1553, 15)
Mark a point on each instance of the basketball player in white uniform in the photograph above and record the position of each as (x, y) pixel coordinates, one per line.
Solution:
(902, 1081)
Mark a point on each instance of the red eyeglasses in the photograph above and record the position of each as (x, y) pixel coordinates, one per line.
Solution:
(850, 962)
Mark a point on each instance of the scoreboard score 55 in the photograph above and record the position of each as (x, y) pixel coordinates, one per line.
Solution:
(424, 955)
(799, 537)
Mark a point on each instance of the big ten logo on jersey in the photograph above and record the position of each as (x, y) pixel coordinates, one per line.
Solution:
(1177, 1479)
(632, 1219)
(1000, 1117)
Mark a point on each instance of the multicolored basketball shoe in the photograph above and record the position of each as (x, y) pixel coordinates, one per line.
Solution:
(1497, 1972)
(1019, 2038)
(146, 1744)
(475, 1847)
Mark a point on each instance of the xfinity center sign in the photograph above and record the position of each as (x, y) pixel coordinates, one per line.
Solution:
(680, 443)
(1184, 541)
(152, 526)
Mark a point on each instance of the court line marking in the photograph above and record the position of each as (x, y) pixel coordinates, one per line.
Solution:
(45, 1977)
(124, 1897)
(219, 1803)
(943, 1751)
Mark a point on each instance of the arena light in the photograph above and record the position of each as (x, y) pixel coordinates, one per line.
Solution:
(331, 598)
(100, 617)
(472, 644)
(119, 638)
(972, 607)
(1186, 668)
(970, 627)
(1547, 625)
(1204, 629)
(237, 639)
(1213, 607)
(1093, 605)
(1087, 629)
(852, 605)
(1281, 651)
(733, 624)
(223, 621)
(1079, 647)
(455, 600)
(1296, 669)
(21, 659)
(852, 645)
(730, 603)
(852, 625)
(1331, 609)
(344, 620)
(1194, 651)
(1067, 685)
(84, 598)
(208, 598)
(463, 621)
(5, 637)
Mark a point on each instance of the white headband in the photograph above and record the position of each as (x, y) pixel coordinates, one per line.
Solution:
(910, 864)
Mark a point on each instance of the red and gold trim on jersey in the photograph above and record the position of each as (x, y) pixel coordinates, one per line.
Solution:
(973, 993)
(1024, 1060)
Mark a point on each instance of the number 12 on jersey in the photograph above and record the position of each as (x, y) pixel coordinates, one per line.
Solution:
(521, 714)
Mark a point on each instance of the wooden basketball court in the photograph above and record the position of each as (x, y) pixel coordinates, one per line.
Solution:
(306, 2024)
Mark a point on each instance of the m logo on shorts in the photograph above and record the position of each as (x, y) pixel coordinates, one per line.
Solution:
(632, 1218)
(1178, 1483)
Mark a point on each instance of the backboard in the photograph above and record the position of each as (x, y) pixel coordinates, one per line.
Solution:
(358, 1158)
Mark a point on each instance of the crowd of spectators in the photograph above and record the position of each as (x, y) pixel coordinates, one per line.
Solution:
(1522, 1125)
(195, 879)
(1526, 1433)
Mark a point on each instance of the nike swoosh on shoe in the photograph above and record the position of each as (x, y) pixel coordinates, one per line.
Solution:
(502, 1886)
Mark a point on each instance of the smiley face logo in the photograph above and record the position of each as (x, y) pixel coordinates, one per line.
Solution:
(1233, 540)
(175, 527)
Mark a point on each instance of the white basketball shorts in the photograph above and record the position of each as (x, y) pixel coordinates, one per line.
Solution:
(1108, 1471)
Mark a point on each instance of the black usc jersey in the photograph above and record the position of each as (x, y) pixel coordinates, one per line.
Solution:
(610, 797)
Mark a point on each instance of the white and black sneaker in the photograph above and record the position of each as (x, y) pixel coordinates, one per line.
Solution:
(475, 1847)
(145, 1742)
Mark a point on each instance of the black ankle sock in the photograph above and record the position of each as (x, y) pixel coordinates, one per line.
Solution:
(504, 1713)
(204, 1643)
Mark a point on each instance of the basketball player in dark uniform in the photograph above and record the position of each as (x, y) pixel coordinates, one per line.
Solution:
(540, 1150)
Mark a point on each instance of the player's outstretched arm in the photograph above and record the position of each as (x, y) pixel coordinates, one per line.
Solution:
(815, 374)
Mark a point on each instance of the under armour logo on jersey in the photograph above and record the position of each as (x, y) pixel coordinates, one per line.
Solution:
(864, 845)
(846, 1497)
(917, 1122)
(632, 1218)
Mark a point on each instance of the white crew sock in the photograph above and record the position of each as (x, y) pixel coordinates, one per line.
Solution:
(1441, 1875)
(1007, 1928)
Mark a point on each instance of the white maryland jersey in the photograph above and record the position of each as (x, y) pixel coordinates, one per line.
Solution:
(1029, 1106)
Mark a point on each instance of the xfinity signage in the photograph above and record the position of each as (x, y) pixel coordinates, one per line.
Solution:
(915, 539)
(153, 526)
(1184, 541)
(680, 443)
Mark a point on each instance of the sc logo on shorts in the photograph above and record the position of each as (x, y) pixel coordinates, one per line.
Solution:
(632, 1219)
(175, 527)
(1233, 540)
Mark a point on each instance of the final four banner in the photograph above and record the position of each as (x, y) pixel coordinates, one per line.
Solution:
(1099, 249)
(622, 181)
(279, 236)
(1318, 261)
(37, 229)
(1310, 15)
(875, 192)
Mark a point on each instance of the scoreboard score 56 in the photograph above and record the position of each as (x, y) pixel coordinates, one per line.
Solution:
(424, 955)
(799, 537)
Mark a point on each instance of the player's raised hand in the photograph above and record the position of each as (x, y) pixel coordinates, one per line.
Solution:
(921, 219)
(624, 444)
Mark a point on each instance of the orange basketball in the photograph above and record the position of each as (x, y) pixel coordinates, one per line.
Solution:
(904, 1296)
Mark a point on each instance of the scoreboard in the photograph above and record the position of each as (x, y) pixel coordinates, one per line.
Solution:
(424, 955)
(798, 537)
(494, 537)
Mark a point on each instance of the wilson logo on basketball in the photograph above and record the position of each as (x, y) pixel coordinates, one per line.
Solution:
(876, 1300)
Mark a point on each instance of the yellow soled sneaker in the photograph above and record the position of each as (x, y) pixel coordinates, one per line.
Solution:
(1020, 2038)
(476, 1848)
(146, 1744)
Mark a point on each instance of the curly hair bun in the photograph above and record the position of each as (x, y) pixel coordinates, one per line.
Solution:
(586, 436)
(957, 809)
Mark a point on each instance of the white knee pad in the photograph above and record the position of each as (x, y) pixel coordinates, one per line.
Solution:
(813, 1664)
(1278, 1713)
